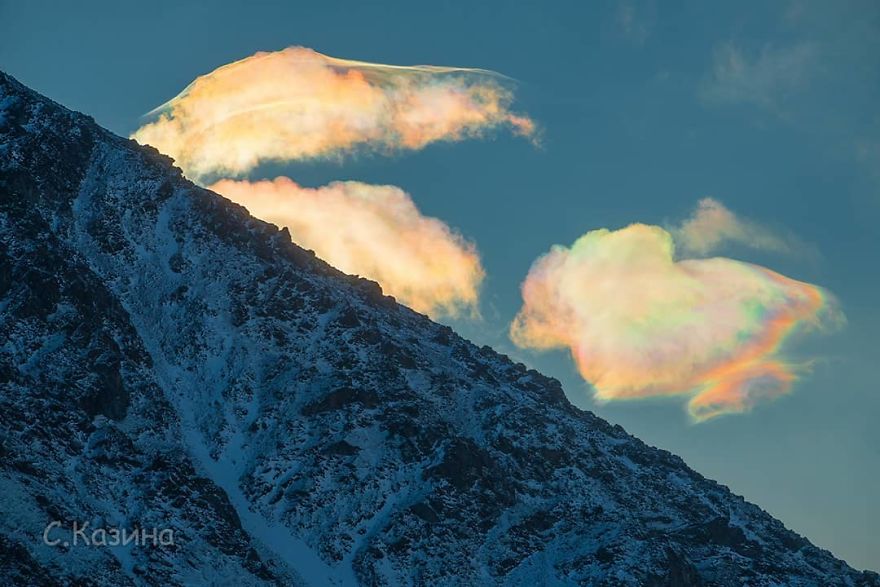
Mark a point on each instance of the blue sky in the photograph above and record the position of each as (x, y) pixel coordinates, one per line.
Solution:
(642, 115)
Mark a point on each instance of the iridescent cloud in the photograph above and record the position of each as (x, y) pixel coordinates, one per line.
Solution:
(640, 323)
(298, 104)
(375, 231)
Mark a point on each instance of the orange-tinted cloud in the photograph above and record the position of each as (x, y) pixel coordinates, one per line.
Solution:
(375, 231)
(713, 225)
(298, 104)
(640, 323)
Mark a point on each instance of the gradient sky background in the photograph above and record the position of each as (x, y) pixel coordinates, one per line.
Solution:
(631, 132)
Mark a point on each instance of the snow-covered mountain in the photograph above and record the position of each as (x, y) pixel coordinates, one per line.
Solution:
(169, 362)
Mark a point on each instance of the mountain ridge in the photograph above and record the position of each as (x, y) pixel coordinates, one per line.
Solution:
(212, 375)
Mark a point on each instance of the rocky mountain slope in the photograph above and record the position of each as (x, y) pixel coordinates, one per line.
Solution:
(169, 362)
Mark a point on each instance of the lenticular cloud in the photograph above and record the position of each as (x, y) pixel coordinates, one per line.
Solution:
(640, 323)
(298, 104)
(375, 231)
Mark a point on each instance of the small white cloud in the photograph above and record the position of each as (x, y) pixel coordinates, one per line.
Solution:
(712, 226)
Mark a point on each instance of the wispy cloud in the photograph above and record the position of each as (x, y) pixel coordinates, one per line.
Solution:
(635, 19)
(375, 231)
(766, 78)
(820, 75)
(298, 104)
(868, 154)
(639, 323)
(712, 226)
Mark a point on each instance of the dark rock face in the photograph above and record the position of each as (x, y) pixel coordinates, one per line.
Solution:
(168, 361)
